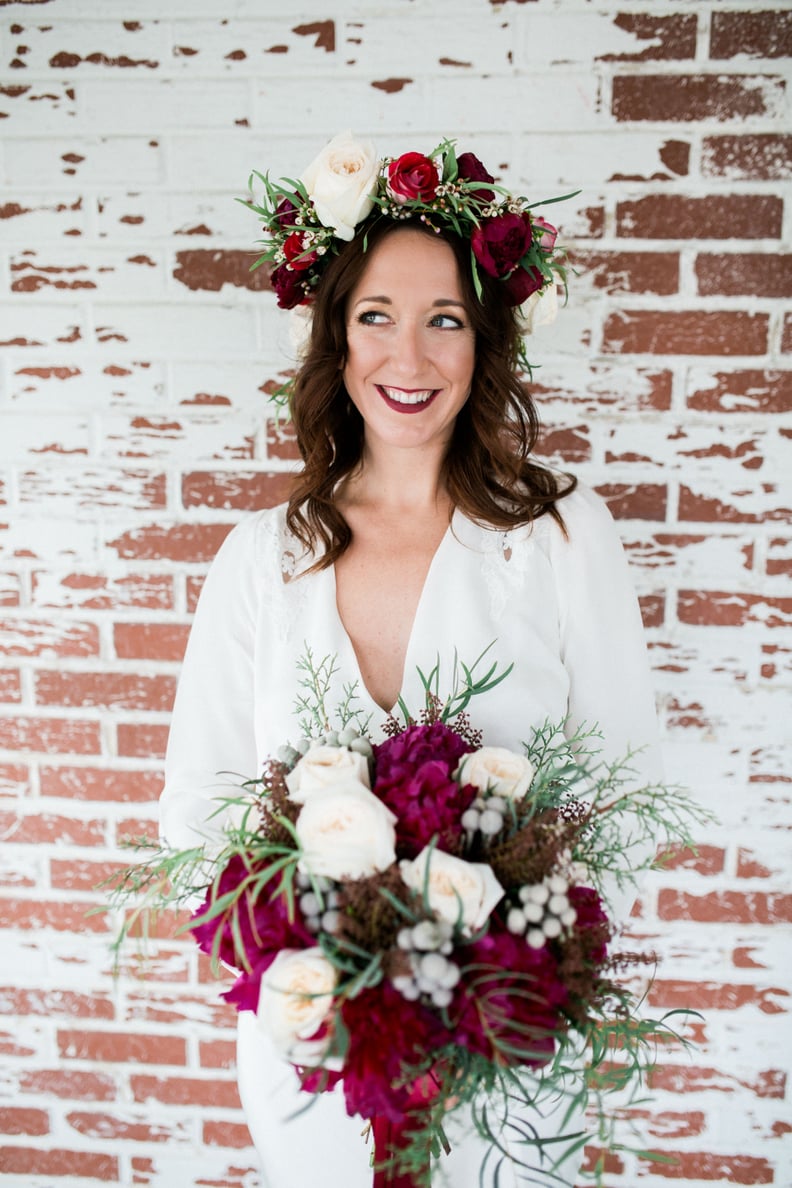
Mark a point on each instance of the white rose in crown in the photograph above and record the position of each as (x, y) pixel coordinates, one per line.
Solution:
(295, 998)
(496, 770)
(340, 183)
(540, 309)
(322, 767)
(463, 893)
(345, 832)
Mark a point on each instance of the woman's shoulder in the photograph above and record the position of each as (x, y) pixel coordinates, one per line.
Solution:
(254, 539)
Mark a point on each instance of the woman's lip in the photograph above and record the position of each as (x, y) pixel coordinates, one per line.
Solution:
(419, 406)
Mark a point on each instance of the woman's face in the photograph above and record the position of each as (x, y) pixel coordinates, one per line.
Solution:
(410, 345)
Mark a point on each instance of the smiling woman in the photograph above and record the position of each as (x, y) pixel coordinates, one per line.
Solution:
(419, 525)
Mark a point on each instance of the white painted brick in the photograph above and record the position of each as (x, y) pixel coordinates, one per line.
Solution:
(134, 161)
(36, 217)
(46, 39)
(55, 436)
(209, 436)
(161, 105)
(198, 330)
(82, 382)
(49, 107)
(71, 273)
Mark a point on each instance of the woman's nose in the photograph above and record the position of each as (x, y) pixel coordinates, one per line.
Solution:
(409, 347)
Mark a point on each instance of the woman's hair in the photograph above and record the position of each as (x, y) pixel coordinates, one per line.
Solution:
(487, 471)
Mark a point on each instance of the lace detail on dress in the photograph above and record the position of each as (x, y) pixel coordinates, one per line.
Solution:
(504, 566)
(280, 558)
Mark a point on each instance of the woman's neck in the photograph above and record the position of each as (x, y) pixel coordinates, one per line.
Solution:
(406, 481)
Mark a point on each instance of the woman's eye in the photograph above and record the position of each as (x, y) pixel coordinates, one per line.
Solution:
(372, 317)
(446, 322)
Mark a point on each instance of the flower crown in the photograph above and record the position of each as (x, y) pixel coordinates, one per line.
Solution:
(308, 222)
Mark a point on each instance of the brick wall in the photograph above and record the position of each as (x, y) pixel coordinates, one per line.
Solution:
(136, 355)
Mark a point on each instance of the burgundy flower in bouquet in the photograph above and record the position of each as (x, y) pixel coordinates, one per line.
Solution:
(470, 169)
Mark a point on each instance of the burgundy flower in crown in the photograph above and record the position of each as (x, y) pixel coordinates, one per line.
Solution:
(296, 253)
(523, 283)
(472, 170)
(500, 243)
(287, 286)
(412, 177)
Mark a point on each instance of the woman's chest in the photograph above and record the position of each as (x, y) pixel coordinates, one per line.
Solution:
(475, 601)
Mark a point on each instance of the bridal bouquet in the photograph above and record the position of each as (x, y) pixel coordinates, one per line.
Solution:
(423, 920)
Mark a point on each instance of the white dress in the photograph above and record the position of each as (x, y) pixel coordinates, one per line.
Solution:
(561, 609)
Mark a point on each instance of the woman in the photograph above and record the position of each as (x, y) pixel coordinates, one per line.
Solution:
(419, 527)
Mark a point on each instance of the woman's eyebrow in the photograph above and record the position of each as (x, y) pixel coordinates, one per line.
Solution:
(383, 300)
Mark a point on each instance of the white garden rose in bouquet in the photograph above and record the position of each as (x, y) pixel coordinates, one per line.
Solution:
(323, 767)
(463, 893)
(296, 997)
(497, 770)
(345, 832)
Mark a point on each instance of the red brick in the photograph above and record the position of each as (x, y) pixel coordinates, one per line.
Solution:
(33, 1161)
(10, 685)
(689, 98)
(629, 272)
(43, 828)
(246, 491)
(121, 1048)
(181, 542)
(150, 641)
(93, 591)
(74, 1086)
(604, 389)
(101, 783)
(55, 1004)
(110, 1127)
(714, 216)
(63, 917)
(671, 37)
(10, 589)
(652, 608)
(596, 1160)
(786, 334)
(709, 509)
(226, 1134)
(154, 1007)
(19, 1120)
(670, 1124)
(628, 501)
(186, 1091)
(715, 608)
(142, 740)
(725, 907)
(193, 586)
(567, 446)
(14, 779)
(51, 735)
(281, 441)
(754, 34)
(81, 875)
(47, 637)
(685, 332)
(745, 391)
(733, 274)
(112, 690)
(779, 556)
(705, 860)
(699, 1165)
(749, 868)
(217, 1054)
(762, 156)
(715, 996)
(207, 270)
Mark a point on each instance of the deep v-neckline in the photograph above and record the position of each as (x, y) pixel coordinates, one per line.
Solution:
(411, 637)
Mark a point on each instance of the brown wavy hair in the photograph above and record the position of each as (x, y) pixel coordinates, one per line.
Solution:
(488, 471)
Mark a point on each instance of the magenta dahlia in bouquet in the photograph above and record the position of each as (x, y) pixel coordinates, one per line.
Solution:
(423, 920)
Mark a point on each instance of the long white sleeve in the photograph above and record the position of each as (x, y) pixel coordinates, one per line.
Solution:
(211, 747)
(603, 650)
